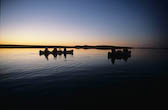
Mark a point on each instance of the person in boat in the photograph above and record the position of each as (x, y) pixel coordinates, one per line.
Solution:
(55, 50)
(64, 49)
(46, 50)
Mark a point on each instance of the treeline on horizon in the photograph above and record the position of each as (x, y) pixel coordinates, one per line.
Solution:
(77, 46)
(56, 46)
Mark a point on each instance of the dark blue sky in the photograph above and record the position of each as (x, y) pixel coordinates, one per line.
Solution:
(92, 22)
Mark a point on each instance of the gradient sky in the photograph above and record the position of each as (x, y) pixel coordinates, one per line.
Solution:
(83, 22)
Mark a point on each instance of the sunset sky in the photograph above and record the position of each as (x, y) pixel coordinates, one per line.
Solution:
(83, 22)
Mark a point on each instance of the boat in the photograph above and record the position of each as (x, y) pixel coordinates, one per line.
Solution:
(119, 53)
(68, 52)
(55, 52)
(62, 52)
(125, 54)
(44, 52)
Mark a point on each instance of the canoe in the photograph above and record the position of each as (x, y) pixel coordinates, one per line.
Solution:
(43, 52)
(68, 52)
(56, 52)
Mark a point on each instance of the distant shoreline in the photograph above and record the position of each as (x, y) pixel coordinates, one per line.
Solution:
(77, 47)
(56, 46)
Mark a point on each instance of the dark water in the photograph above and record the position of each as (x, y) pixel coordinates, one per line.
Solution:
(86, 73)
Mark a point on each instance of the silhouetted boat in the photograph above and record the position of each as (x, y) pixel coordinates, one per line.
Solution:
(125, 54)
(46, 51)
(62, 52)
(119, 53)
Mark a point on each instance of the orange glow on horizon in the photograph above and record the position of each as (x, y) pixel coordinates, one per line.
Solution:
(71, 40)
(70, 43)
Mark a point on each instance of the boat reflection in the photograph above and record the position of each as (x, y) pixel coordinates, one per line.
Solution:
(119, 55)
(46, 53)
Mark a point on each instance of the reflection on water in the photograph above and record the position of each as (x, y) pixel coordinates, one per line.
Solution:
(86, 72)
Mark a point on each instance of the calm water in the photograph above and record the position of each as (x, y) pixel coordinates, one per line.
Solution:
(89, 72)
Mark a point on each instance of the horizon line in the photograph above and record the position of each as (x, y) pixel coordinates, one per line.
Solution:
(50, 46)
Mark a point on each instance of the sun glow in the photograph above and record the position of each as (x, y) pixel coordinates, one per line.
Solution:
(68, 23)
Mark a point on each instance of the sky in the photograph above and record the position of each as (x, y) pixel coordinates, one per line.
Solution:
(138, 23)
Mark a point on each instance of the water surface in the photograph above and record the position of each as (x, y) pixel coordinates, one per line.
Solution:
(88, 72)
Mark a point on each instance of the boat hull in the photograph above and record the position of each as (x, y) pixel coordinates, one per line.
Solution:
(56, 52)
